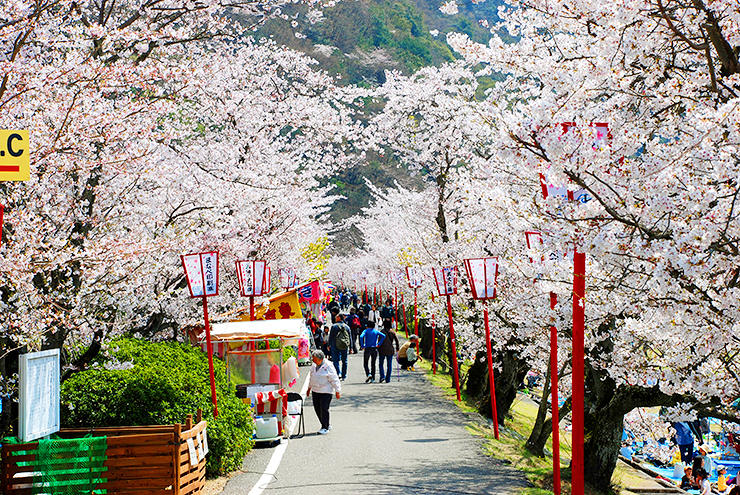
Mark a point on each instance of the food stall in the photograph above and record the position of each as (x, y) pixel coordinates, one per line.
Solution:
(253, 352)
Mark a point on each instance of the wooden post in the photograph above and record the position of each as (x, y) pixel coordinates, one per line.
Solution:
(176, 455)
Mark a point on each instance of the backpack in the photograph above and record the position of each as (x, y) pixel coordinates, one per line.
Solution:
(343, 337)
(354, 322)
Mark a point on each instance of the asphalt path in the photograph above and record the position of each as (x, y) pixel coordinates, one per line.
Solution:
(400, 437)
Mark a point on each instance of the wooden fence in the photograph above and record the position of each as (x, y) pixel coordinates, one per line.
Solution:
(139, 460)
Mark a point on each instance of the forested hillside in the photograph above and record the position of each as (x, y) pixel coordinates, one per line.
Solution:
(358, 41)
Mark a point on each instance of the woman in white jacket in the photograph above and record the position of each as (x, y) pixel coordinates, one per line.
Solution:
(324, 383)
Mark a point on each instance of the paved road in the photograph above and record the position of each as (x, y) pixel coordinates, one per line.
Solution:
(400, 437)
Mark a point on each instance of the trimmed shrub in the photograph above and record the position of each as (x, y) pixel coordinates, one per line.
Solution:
(146, 383)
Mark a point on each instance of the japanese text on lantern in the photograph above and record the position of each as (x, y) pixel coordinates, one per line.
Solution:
(209, 273)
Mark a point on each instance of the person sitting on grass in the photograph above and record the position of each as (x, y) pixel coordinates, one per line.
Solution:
(687, 482)
(702, 479)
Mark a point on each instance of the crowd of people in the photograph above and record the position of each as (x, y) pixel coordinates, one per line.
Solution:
(349, 329)
(696, 475)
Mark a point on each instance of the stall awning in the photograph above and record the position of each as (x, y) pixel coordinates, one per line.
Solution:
(292, 328)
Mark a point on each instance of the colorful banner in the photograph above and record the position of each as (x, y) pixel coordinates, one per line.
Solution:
(314, 292)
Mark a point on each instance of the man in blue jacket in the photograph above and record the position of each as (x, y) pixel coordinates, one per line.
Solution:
(685, 441)
(370, 340)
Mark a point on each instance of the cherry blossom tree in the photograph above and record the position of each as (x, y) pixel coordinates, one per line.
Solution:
(660, 228)
(152, 135)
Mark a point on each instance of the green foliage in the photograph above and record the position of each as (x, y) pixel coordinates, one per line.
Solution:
(167, 382)
(289, 351)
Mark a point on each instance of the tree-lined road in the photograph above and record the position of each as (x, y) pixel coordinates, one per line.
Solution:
(387, 438)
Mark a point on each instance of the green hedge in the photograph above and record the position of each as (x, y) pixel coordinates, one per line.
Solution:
(167, 382)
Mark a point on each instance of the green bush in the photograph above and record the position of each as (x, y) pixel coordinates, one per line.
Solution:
(289, 351)
(167, 382)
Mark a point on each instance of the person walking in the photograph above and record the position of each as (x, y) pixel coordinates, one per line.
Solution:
(323, 382)
(374, 316)
(386, 350)
(355, 326)
(386, 312)
(339, 343)
(370, 339)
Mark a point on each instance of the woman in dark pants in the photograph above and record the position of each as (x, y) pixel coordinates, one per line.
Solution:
(324, 382)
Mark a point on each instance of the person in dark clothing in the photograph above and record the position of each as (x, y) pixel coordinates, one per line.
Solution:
(338, 351)
(699, 461)
(355, 325)
(365, 308)
(386, 312)
(333, 304)
(387, 350)
(363, 323)
(687, 482)
(685, 441)
(334, 312)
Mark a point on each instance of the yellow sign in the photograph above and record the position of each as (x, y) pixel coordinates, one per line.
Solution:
(15, 155)
(282, 306)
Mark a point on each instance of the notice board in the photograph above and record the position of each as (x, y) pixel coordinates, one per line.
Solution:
(38, 396)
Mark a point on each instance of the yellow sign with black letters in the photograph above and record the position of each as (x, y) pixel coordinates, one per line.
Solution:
(15, 156)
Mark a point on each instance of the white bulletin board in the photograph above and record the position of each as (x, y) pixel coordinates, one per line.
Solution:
(38, 407)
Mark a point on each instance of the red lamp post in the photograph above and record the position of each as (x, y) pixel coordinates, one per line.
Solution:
(416, 279)
(434, 346)
(446, 279)
(201, 271)
(482, 274)
(252, 280)
(534, 241)
(603, 136)
(405, 326)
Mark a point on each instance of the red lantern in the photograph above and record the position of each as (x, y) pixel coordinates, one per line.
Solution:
(201, 271)
(252, 281)
(482, 274)
(446, 279)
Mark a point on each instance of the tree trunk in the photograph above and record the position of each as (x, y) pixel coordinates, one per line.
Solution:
(601, 449)
(536, 445)
(507, 381)
(533, 445)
